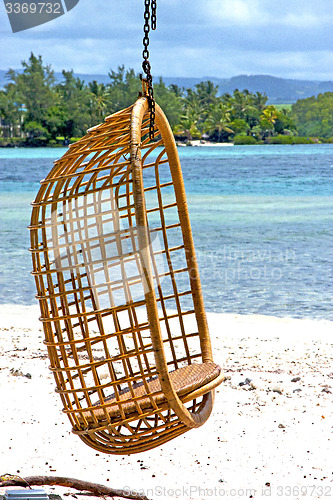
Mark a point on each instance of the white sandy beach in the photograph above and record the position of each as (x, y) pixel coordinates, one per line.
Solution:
(201, 143)
(271, 436)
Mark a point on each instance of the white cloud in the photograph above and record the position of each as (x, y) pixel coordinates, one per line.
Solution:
(219, 38)
(314, 65)
(258, 13)
(303, 19)
(235, 12)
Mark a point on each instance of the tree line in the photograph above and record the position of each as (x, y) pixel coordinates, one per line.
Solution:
(36, 109)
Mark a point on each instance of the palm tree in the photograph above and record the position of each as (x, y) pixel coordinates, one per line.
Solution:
(207, 93)
(259, 101)
(242, 104)
(191, 116)
(98, 96)
(218, 120)
(188, 125)
(268, 118)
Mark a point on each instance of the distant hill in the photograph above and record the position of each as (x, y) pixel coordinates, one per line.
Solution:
(278, 90)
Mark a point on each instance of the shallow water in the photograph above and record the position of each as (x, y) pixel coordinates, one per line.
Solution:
(261, 219)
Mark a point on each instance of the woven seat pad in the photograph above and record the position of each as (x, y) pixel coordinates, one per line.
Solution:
(184, 380)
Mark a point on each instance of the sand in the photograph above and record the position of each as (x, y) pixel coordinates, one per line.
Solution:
(270, 433)
(201, 143)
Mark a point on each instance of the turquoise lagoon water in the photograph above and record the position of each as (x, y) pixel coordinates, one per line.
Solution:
(261, 219)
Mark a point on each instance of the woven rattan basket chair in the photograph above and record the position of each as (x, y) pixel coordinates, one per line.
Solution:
(119, 290)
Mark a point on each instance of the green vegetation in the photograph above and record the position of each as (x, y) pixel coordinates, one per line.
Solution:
(36, 110)
(314, 116)
(244, 140)
(280, 107)
(291, 139)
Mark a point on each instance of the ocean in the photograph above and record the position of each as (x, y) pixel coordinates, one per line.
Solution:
(261, 219)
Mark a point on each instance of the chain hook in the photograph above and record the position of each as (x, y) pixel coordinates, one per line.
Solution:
(144, 87)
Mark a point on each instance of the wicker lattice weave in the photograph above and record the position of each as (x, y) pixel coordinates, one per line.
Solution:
(119, 289)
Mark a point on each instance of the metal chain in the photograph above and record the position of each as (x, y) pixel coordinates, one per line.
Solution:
(150, 5)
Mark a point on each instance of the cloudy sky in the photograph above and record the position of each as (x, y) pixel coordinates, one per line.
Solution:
(199, 38)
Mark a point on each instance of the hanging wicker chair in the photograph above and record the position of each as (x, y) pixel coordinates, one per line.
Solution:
(119, 290)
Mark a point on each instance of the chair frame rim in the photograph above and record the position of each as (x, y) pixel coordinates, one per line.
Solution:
(190, 419)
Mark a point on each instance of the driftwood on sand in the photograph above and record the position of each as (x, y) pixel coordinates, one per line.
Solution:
(68, 482)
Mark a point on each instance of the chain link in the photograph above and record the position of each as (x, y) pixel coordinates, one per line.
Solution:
(153, 14)
(149, 15)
